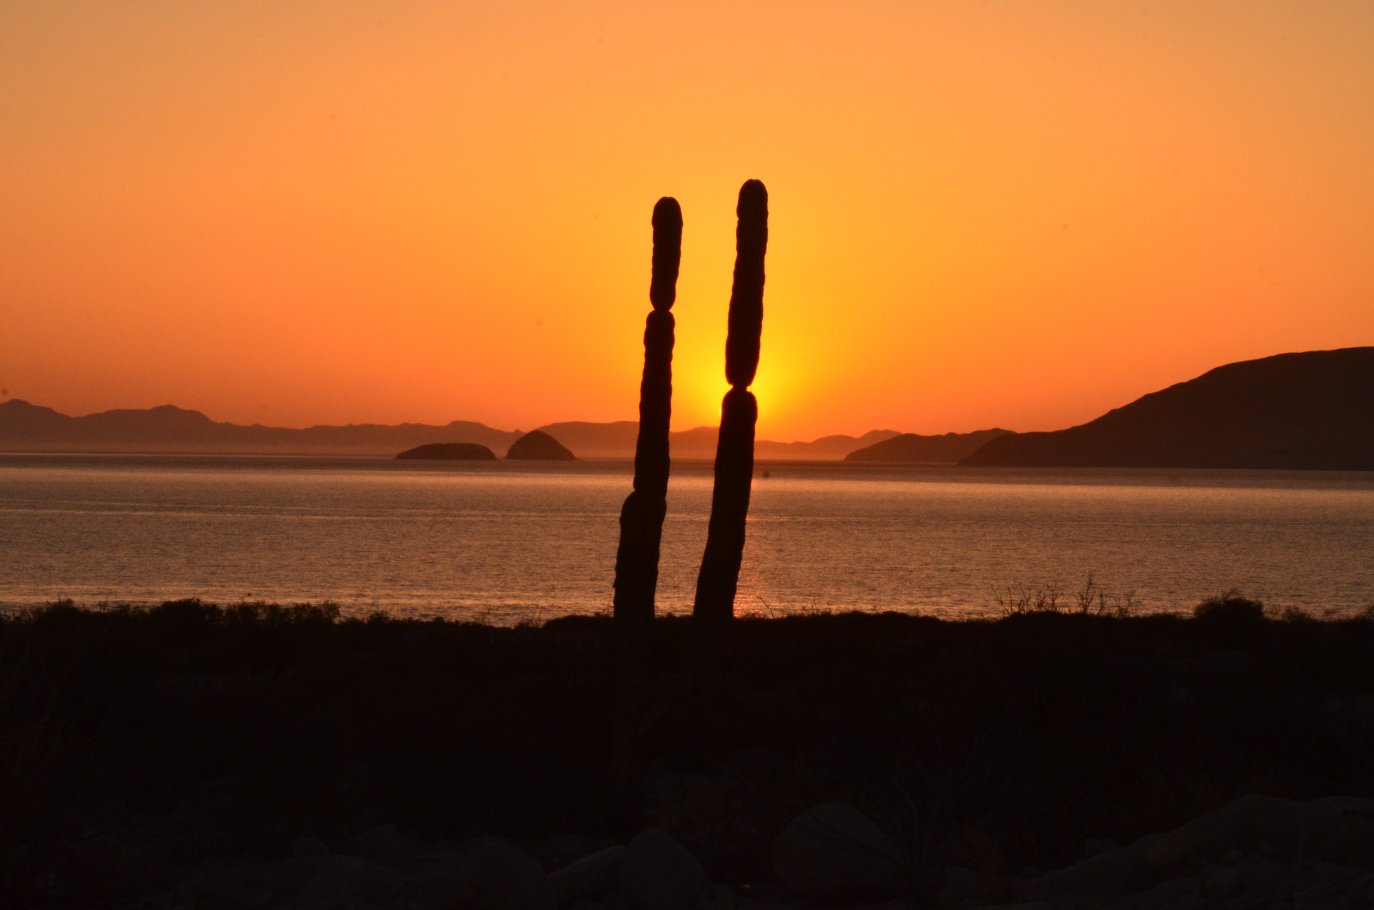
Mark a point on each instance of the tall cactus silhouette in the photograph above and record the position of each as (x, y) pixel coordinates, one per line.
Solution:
(641, 518)
(719, 575)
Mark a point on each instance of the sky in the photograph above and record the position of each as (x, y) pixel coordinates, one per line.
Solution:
(981, 214)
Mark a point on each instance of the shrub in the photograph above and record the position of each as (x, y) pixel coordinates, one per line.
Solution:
(1022, 600)
(1091, 599)
(1231, 606)
(182, 614)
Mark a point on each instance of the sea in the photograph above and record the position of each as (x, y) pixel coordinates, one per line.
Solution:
(509, 543)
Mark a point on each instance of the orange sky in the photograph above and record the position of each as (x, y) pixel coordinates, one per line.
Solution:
(1015, 214)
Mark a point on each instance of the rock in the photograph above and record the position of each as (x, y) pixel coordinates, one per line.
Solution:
(375, 841)
(1220, 882)
(449, 451)
(435, 889)
(1105, 873)
(1171, 890)
(834, 851)
(719, 807)
(1340, 829)
(296, 871)
(341, 880)
(239, 883)
(590, 876)
(1095, 845)
(717, 897)
(309, 848)
(659, 874)
(1335, 828)
(964, 888)
(126, 856)
(537, 445)
(497, 876)
(555, 851)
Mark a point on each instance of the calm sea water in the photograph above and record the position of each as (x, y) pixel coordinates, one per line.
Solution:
(506, 543)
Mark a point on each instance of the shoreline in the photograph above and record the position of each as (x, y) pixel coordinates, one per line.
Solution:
(1089, 600)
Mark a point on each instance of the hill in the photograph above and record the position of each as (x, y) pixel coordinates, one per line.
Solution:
(617, 440)
(536, 445)
(912, 448)
(1312, 411)
(26, 427)
(448, 451)
(834, 447)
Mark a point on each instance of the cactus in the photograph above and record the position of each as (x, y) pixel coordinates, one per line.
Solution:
(641, 517)
(719, 575)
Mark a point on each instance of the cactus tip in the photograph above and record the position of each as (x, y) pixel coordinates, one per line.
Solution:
(753, 198)
(667, 212)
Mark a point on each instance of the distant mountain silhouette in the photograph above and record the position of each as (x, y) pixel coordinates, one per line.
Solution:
(536, 445)
(449, 451)
(833, 447)
(1311, 410)
(29, 428)
(25, 427)
(617, 440)
(911, 448)
(596, 440)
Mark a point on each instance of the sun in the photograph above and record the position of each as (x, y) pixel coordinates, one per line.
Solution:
(698, 393)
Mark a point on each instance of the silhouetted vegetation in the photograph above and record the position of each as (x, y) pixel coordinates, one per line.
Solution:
(1090, 599)
(719, 574)
(1230, 607)
(641, 517)
(991, 744)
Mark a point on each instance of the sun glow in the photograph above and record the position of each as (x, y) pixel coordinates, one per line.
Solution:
(699, 391)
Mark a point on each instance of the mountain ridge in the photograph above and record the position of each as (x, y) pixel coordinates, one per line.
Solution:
(169, 429)
(915, 448)
(1310, 410)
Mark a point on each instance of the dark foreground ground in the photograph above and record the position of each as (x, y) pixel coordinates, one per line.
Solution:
(135, 746)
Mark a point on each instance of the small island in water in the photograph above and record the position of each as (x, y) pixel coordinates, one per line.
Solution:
(449, 451)
(537, 445)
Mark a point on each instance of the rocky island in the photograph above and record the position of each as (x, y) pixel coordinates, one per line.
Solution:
(537, 445)
(449, 451)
